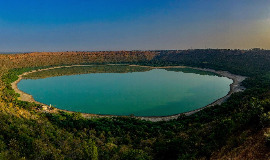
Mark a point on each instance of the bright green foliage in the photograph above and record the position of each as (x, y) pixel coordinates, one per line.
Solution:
(90, 150)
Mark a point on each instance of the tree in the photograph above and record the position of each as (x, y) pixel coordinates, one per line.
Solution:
(90, 150)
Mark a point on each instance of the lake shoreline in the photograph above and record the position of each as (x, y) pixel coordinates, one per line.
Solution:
(234, 87)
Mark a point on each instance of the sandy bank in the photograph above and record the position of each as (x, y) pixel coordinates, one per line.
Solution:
(234, 87)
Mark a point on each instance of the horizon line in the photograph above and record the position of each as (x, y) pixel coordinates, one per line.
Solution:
(7, 52)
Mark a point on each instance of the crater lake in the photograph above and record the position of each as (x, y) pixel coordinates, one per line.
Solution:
(125, 90)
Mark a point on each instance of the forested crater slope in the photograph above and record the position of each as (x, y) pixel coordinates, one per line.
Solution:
(239, 128)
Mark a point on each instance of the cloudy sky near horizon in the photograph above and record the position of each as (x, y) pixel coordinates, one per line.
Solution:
(55, 25)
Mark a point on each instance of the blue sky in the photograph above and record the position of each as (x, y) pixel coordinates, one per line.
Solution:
(54, 25)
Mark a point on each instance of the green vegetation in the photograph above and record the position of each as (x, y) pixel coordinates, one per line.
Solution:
(85, 70)
(222, 131)
(191, 70)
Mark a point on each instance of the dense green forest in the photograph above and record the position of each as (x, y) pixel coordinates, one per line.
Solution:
(239, 128)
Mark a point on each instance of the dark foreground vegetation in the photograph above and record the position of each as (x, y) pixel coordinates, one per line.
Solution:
(236, 129)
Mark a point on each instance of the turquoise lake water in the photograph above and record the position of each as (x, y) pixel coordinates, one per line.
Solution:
(157, 92)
